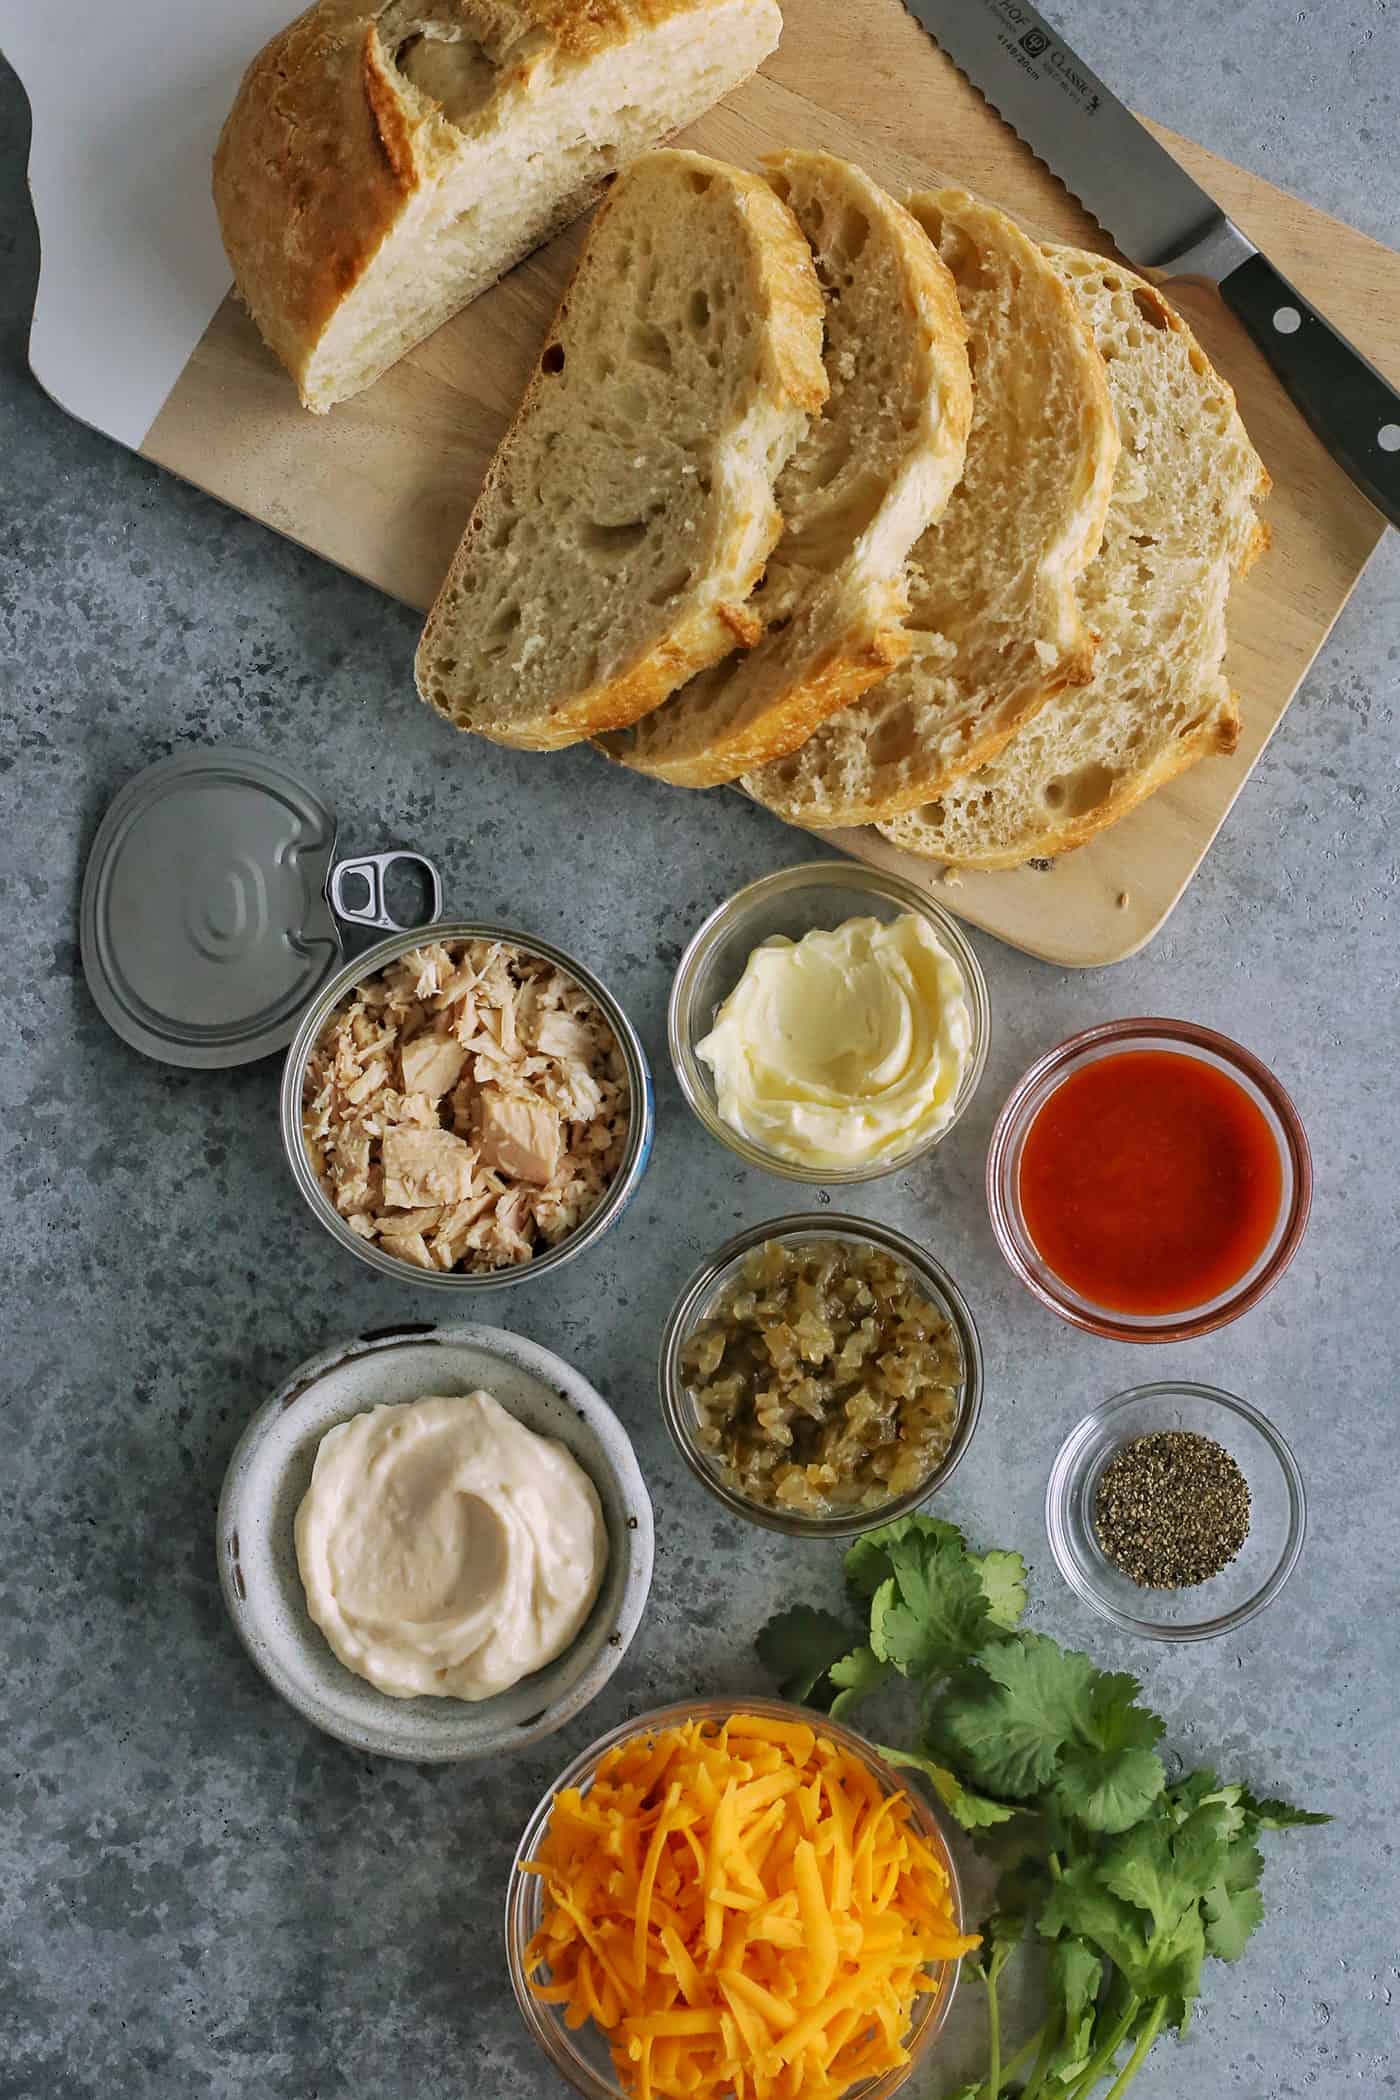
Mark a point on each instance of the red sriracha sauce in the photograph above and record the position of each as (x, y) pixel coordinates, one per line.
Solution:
(1150, 1182)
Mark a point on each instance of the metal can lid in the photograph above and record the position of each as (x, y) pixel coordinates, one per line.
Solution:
(204, 926)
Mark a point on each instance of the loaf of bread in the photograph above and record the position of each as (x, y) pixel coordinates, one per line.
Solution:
(996, 626)
(870, 475)
(387, 160)
(1181, 526)
(629, 511)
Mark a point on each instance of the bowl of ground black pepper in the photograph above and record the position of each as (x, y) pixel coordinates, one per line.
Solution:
(1175, 1511)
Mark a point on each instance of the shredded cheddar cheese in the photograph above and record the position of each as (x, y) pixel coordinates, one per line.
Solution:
(742, 1910)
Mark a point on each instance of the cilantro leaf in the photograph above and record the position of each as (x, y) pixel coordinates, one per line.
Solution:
(1055, 1722)
(1201, 1842)
(1003, 1578)
(1074, 1975)
(1166, 1964)
(867, 1562)
(1028, 1841)
(1197, 1787)
(973, 1811)
(1278, 1815)
(1108, 1791)
(855, 1676)
(1163, 1869)
(1166, 1869)
(1231, 1916)
(798, 1648)
(1233, 1905)
(1010, 1714)
(1079, 1905)
(1174, 1966)
(1203, 1790)
(1114, 1720)
(930, 1612)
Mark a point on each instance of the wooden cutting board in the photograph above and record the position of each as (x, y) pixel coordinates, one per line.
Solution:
(384, 485)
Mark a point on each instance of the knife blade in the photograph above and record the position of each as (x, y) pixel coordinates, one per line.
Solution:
(1163, 221)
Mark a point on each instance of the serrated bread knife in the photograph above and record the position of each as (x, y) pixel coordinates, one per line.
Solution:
(1163, 221)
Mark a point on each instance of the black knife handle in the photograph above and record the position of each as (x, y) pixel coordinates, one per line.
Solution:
(1353, 409)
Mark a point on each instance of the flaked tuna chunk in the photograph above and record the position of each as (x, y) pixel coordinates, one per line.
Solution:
(409, 1246)
(369, 1082)
(432, 1065)
(451, 1236)
(465, 1021)
(393, 1107)
(500, 1234)
(576, 1092)
(561, 1035)
(425, 1221)
(351, 1153)
(426, 1166)
(519, 1137)
(425, 969)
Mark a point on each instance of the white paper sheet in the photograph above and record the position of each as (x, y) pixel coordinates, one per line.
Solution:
(127, 101)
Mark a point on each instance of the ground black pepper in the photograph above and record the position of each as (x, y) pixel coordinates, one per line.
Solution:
(1172, 1509)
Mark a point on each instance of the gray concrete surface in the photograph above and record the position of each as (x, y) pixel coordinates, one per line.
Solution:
(199, 1896)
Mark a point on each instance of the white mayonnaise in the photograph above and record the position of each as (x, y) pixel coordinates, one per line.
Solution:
(447, 1550)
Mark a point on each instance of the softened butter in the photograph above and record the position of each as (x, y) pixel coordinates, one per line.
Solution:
(844, 1049)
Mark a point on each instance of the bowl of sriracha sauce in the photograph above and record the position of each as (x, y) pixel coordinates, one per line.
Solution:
(1149, 1180)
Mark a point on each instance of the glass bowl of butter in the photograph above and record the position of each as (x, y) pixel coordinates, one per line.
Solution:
(829, 1023)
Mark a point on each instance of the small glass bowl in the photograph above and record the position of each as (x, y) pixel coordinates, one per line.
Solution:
(625, 1183)
(581, 2055)
(700, 1293)
(818, 894)
(1029, 1097)
(1277, 1513)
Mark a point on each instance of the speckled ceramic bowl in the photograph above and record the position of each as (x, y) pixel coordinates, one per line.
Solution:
(271, 1469)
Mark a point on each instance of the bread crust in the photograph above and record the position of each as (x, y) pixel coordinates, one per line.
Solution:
(328, 145)
(313, 167)
(1216, 735)
(851, 666)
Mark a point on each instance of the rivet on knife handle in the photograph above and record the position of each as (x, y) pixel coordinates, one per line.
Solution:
(1353, 409)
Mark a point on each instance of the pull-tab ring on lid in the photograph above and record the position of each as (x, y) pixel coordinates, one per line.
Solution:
(371, 869)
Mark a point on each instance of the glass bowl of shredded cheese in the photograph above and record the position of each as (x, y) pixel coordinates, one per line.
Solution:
(723, 1897)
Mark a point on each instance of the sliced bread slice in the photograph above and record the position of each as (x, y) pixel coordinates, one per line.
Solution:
(866, 480)
(385, 161)
(629, 511)
(1180, 528)
(995, 625)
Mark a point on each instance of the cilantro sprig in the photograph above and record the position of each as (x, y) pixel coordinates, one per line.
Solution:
(1051, 1765)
